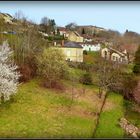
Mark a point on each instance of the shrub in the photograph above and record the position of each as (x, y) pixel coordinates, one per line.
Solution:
(136, 93)
(86, 79)
(26, 72)
(32, 65)
(85, 52)
(52, 65)
(136, 69)
(130, 82)
(54, 85)
(79, 65)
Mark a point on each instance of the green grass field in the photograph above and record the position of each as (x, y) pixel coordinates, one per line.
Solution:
(39, 112)
(131, 114)
(90, 57)
(108, 125)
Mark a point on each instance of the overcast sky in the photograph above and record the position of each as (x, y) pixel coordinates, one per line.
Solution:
(110, 15)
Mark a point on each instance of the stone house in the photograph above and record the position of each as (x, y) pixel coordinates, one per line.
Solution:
(63, 31)
(115, 55)
(75, 37)
(7, 18)
(72, 51)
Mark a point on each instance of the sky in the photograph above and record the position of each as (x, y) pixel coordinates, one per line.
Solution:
(117, 16)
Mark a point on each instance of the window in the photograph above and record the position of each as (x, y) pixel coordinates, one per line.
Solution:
(113, 58)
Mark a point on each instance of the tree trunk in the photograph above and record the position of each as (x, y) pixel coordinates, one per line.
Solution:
(100, 92)
(99, 113)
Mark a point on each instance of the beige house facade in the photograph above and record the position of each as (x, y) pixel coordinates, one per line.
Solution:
(114, 55)
(63, 31)
(72, 51)
(75, 37)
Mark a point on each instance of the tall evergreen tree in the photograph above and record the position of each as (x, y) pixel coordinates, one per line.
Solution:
(83, 31)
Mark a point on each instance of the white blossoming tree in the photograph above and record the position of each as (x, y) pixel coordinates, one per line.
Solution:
(8, 73)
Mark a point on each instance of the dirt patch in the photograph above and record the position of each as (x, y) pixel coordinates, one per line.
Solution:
(77, 91)
(76, 111)
(91, 98)
(108, 106)
(79, 111)
(85, 96)
(56, 86)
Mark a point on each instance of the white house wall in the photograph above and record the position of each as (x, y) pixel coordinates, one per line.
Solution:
(116, 57)
(89, 47)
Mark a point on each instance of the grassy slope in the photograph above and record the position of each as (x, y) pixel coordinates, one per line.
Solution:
(90, 57)
(132, 115)
(39, 112)
(108, 125)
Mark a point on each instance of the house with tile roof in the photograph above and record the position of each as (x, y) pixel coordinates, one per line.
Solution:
(115, 55)
(75, 36)
(72, 51)
(63, 31)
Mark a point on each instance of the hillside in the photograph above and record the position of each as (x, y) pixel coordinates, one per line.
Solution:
(38, 112)
(129, 40)
(89, 29)
(59, 98)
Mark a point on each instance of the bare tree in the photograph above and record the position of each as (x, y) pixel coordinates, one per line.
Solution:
(109, 76)
(47, 25)
(74, 79)
(19, 15)
(45, 21)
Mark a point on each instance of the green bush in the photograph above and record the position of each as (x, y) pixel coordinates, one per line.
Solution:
(56, 37)
(79, 65)
(85, 52)
(136, 69)
(51, 66)
(86, 79)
